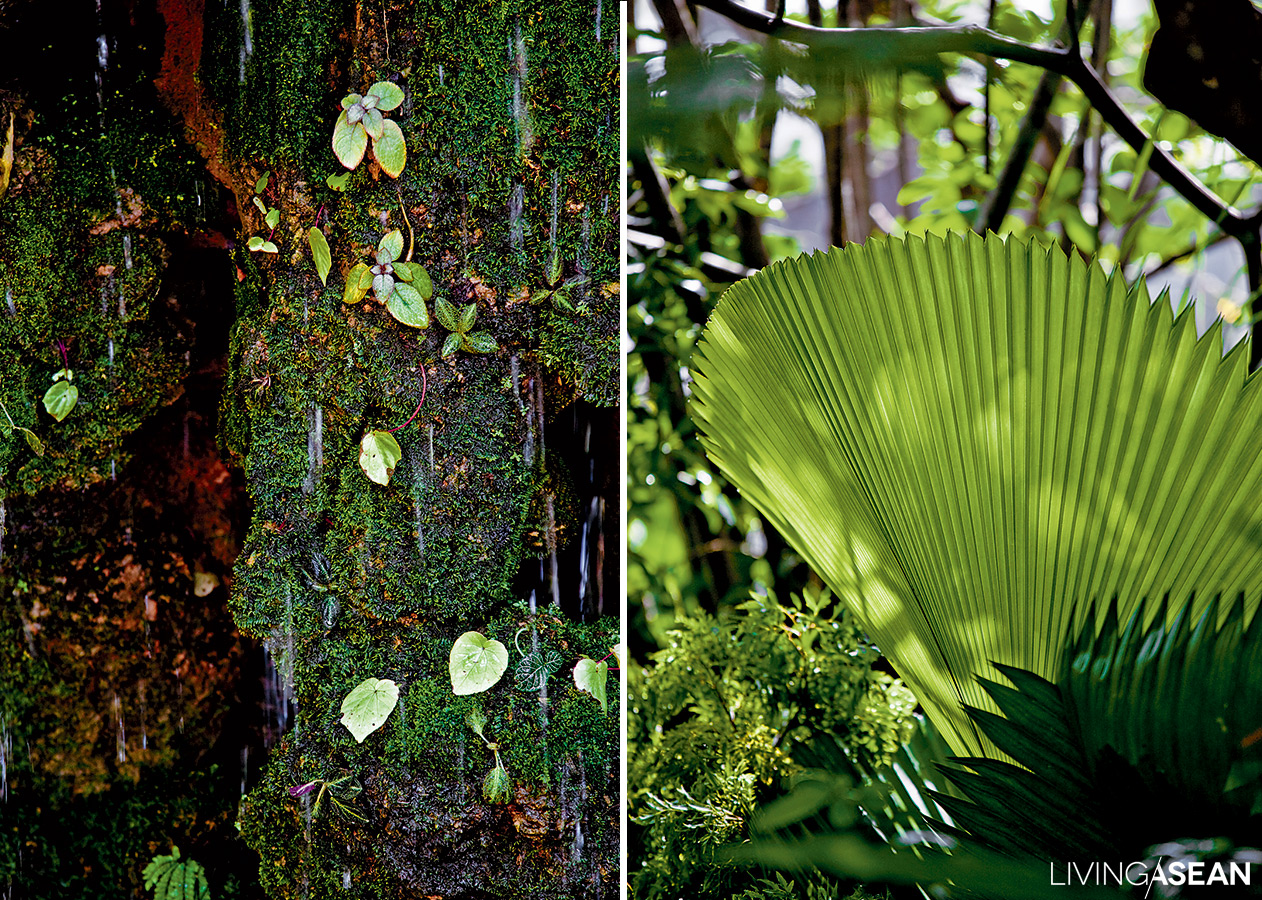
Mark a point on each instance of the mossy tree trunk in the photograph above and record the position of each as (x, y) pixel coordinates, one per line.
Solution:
(510, 118)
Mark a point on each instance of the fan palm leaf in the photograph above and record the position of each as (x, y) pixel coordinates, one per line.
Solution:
(972, 439)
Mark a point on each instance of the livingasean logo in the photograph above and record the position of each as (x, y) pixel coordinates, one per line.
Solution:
(1168, 875)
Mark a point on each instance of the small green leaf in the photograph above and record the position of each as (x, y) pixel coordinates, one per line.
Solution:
(383, 287)
(338, 182)
(589, 676)
(467, 317)
(269, 247)
(389, 95)
(272, 218)
(392, 244)
(349, 141)
(391, 150)
(374, 124)
(60, 399)
(554, 268)
(476, 663)
(421, 280)
(480, 342)
(408, 306)
(260, 206)
(350, 100)
(452, 344)
(497, 788)
(255, 243)
(320, 253)
(358, 281)
(366, 708)
(561, 298)
(535, 668)
(379, 453)
(261, 185)
(477, 721)
(35, 443)
(446, 314)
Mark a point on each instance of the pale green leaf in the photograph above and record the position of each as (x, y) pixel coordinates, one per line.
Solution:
(969, 439)
(383, 286)
(366, 708)
(358, 282)
(391, 244)
(255, 243)
(497, 788)
(33, 442)
(269, 247)
(350, 100)
(420, 279)
(373, 124)
(338, 182)
(272, 218)
(379, 453)
(391, 151)
(591, 676)
(260, 206)
(389, 95)
(320, 253)
(349, 141)
(406, 305)
(451, 344)
(476, 663)
(261, 185)
(60, 399)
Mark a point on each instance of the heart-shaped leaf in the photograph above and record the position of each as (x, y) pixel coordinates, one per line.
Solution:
(350, 100)
(379, 453)
(358, 281)
(391, 244)
(389, 95)
(261, 185)
(476, 663)
(446, 314)
(60, 399)
(480, 342)
(366, 708)
(406, 305)
(272, 218)
(320, 253)
(534, 669)
(452, 344)
(589, 676)
(390, 150)
(349, 141)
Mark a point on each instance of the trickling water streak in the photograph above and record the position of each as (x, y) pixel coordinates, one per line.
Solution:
(521, 72)
(144, 730)
(584, 560)
(6, 748)
(584, 255)
(127, 261)
(431, 446)
(346, 879)
(440, 74)
(516, 204)
(121, 736)
(245, 767)
(113, 470)
(552, 239)
(599, 5)
(418, 498)
(247, 44)
(110, 347)
(552, 551)
(8, 298)
(315, 447)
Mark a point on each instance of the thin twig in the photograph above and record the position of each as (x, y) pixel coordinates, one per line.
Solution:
(1185, 253)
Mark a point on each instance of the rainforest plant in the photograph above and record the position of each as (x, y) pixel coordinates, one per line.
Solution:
(1008, 465)
(360, 119)
(498, 787)
(173, 878)
(342, 792)
(726, 713)
(460, 324)
(400, 285)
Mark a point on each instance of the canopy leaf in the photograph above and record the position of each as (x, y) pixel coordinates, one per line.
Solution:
(971, 439)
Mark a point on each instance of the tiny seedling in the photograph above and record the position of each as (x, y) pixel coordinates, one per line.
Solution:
(270, 216)
(60, 399)
(403, 286)
(460, 325)
(360, 119)
(172, 878)
(497, 788)
(341, 791)
(35, 443)
(557, 288)
(536, 667)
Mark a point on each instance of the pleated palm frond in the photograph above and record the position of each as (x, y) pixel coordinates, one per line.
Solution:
(971, 439)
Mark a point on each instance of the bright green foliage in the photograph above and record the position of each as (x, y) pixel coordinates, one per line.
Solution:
(496, 787)
(32, 440)
(366, 708)
(726, 712)
(361, 119)
(954, 434)
(60, 399)
(320, 253)
(401, 285)
(558, 289)
(534, 669)
(459, 322)
(590, 676)
(476, 663)
(172, 878)
(379, 453)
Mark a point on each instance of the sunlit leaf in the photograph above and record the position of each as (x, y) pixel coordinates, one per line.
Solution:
(366, 708)
(261, 185)
(476, 663)
(497, 788)
(60, 399)
(338, 182)
(272, 218)
(34, 442)
(379, 453)
(373, 122)
(389, 95)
